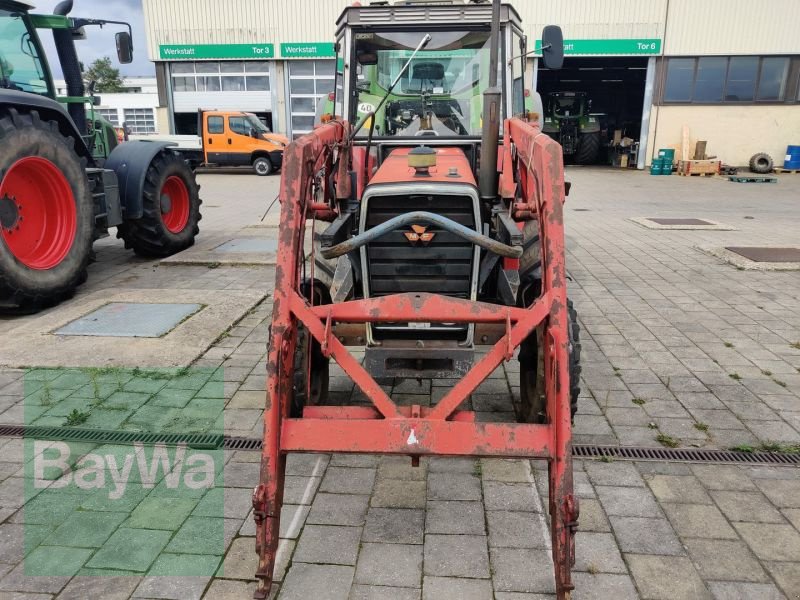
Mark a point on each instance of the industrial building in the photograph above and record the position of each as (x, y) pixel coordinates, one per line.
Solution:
(661, 72)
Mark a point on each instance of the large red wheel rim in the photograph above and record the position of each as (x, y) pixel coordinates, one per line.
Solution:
(39, 213)
(174, 204)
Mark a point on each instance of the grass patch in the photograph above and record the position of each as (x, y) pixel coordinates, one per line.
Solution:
(667, 440)
(796, 345)
(743, 448)
(76, 417)
(778, 447)
(701, 426)
(779, 382)
(735, 376)
(606, 459)
(766, 372)
(728, 345)
(639, 401)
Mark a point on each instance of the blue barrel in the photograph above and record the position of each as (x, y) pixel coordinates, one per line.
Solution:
(792, 158)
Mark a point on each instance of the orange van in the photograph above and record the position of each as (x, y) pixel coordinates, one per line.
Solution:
(235, 139)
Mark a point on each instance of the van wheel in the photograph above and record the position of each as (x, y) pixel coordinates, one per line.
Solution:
(262, 166)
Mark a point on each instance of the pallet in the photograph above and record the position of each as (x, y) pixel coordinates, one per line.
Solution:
(699, 167)
(749, 179)
(782, 170)
(697, 174)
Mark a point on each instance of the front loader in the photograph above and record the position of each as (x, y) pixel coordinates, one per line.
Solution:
(442, 231)
(64, 179)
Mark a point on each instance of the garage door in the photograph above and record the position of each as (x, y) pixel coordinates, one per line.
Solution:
(221, 85)
(309, 81)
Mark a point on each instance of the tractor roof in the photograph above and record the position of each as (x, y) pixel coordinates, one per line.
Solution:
(16, 5)
(423, 14)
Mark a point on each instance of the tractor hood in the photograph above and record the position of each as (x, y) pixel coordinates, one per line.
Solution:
(451, 166)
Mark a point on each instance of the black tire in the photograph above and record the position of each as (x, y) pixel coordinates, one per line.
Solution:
(25, 135)
(151, 235)
(588, 149)
(761, 163)
(311, 374)
(532, 405)
(262, 166)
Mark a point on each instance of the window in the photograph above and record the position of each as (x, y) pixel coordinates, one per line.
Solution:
(216, 125)
(239, 125)
(221, 76)
(309, 82)
(20, 68)
(109, 114)
(140, 120)
(731, 79)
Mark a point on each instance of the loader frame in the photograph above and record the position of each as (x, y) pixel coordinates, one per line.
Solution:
(531, 181)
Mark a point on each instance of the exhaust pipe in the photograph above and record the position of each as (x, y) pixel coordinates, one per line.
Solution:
(71, 67)
(492, 108)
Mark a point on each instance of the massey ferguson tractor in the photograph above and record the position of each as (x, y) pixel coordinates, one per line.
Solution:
(64, 181)
(440, 209)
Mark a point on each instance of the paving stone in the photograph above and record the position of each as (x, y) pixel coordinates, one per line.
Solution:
(614, 473)
(455, 517)
(445, 588)
(786, 575)
(338, 509)
(725, 560)
(363, 461)
(84, 529)
(793, 515)
(306, 464)
(771, 541)
(784, 493)
(497, 469)
(108, 588)
(456, 556)
(130, 550)
(397, 493)
(239, 474)
(698, 520)
(646, 536)
(729, 590)
(397, 565)
(400, 467)
(342, 480)
(498, 495)
(746, 506)
(328, 544)
(597, 553)
(156, 512)
(509, 529)
(601, 586)
(522, 570)
(320, 582)
(628, 501)
(666, 578)
(394, 525)
(592, 517)
(454, 486)
(773, 431)
(382, 592)
(49, 575)
(723, 477)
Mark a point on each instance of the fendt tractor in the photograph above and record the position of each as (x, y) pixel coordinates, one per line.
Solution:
(64, 179)
(441, 211)
(567, 120)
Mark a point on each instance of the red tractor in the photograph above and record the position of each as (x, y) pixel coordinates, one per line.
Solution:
(443, 230)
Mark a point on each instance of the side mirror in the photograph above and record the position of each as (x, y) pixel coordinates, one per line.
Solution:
(124, 47)
(253, 132)
(552, 47)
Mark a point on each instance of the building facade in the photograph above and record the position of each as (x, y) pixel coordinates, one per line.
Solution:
(662, 72)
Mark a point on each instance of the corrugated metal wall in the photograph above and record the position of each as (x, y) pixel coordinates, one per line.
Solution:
(733, 27)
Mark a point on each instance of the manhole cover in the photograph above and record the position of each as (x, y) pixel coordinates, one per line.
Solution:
(761, 254)
(127, 319)
(679, 221)
(248, 245)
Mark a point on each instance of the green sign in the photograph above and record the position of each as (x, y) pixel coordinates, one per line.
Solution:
(307, 50)
(619, 46)
(203, 51)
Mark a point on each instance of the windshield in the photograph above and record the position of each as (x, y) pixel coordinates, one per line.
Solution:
(440, 92)
(566, 105)
(256, 124)
(20, 66)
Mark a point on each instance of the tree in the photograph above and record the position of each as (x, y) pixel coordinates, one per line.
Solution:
(107, 79)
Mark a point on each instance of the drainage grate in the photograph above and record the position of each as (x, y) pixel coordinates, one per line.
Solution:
(698, 455)
(679, 221)
(212, 441)
(129, 319)
(248, 245)
(765, 254)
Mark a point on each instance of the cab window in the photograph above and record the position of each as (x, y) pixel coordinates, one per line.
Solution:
(216, 125)
(239, 125)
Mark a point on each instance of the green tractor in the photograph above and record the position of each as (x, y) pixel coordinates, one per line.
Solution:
(567, 120)
(64, 179)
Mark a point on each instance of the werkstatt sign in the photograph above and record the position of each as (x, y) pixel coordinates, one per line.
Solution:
(203, 51)
(307, 50)
(618, 46)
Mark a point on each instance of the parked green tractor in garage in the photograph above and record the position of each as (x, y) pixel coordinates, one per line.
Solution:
(64, 180)
(567, 120)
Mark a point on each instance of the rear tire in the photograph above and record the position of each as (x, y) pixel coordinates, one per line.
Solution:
(171, 210)
(588, 149)
(262, 166)
(761, 163)
(42, 260)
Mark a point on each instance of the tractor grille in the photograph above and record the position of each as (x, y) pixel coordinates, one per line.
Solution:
(445, 265)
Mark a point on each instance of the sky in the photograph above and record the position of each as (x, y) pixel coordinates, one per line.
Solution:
(100, 42)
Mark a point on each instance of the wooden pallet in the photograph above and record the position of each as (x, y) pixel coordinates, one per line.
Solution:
(782, 170)
(699, 167)
(750, 179)
(697, 174)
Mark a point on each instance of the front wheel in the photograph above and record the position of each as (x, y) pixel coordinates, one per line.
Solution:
(262, 166)
(588, 149)
(171, 210)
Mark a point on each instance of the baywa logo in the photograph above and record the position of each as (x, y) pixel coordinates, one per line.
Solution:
(104, 471)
